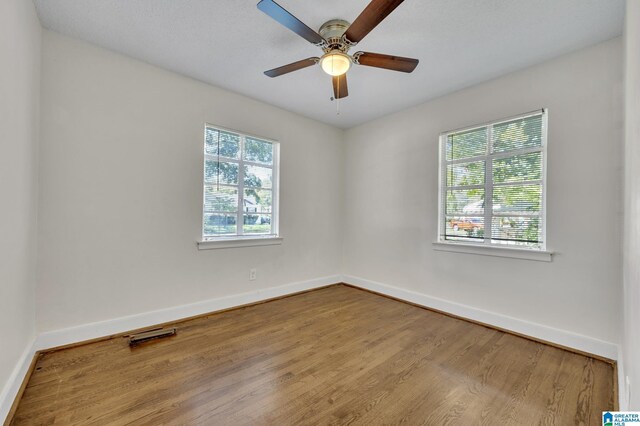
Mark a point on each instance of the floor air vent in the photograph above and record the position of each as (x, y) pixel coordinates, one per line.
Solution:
(136, 339)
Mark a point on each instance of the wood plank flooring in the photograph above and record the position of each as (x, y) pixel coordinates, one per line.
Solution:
(337, 355)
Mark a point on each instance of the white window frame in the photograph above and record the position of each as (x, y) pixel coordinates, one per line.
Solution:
(486, 247)
(240, 239)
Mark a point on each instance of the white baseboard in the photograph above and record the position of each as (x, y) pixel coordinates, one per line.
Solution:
(623, 401)
(11, 387)
(94, 330)
(538, 331)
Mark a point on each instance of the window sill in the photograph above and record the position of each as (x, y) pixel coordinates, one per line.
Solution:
(483, 250)
(239, 242)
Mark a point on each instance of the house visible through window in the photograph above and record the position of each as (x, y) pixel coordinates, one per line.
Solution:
(492, 189)
(240, 185)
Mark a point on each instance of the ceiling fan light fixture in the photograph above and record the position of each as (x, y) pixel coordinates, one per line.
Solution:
(335, 63)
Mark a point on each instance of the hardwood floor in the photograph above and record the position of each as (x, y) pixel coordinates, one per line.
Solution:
(337, 355)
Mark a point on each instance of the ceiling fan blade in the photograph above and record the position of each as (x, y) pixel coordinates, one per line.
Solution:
(295, 66)
(340, 89)
(394, 63)
(370, 17)
(285, 18)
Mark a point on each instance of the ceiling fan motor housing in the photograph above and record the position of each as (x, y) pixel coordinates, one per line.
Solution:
(332, 31)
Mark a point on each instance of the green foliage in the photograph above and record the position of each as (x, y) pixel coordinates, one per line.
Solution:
(229, 143)
(221, 184)
(518, 205)
(518, 168)
(458, 199)
(220, 199)
(463, 174)
(263, 198)
(222, 173)
(517, 134)
(226, 173)
(517, 199)
(518, 228)
(257, 229)
(258, 151)
(215, 224)
(467, 144)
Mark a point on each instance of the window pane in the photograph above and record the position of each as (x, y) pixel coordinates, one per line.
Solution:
(465, 174)
(518, 168)
(257, 177)
(467, 144)
(219, 224)
(257, 224)
(257, 201)
(220, 198)
(464, 228)
(229, 143)
(221, 173)
(516, 230)
(517, 134)
(233, 194)
(465, 201)
(258, 151)
(518, 199)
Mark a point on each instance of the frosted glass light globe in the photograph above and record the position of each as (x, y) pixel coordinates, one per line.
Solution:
(335, 63)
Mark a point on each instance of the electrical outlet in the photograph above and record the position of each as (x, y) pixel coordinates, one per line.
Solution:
(252, 274)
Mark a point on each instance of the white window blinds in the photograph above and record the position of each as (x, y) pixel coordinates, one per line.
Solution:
(240, 185)
(493, 183)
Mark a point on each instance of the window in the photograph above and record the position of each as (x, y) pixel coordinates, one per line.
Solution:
(240, 186)
(492, 183)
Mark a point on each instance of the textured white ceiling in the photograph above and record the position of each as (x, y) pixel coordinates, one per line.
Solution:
(229, 43)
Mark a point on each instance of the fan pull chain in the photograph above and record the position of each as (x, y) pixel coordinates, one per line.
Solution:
(338, 98)
(337, 95)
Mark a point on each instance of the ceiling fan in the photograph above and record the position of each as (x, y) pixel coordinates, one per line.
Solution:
(335, 38)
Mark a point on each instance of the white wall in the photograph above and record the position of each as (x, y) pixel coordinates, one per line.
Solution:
(121, 195)
(631, 353)
(392, 197)
(20, 39)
